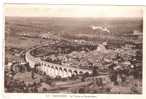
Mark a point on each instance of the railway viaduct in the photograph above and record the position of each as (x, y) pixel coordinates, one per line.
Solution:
(52, 69)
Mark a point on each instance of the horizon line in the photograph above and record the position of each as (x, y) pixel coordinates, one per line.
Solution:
(72, 17)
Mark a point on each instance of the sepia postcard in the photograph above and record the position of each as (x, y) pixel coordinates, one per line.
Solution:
(73, 49)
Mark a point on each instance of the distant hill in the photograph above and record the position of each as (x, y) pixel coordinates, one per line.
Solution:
(74, 28)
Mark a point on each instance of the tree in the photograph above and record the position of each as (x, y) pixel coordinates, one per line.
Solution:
(95, 71)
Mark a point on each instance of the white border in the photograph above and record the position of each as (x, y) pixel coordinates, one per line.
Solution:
(108, 2)
(72, 96)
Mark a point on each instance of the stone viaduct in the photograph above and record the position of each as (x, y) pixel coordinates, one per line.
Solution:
(53, 70)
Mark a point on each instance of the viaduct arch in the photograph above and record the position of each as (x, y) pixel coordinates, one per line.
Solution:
(51, 69)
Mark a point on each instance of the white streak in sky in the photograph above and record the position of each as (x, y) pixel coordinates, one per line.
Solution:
(100, 28)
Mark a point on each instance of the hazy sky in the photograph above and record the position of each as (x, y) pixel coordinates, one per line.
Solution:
(71, 11)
